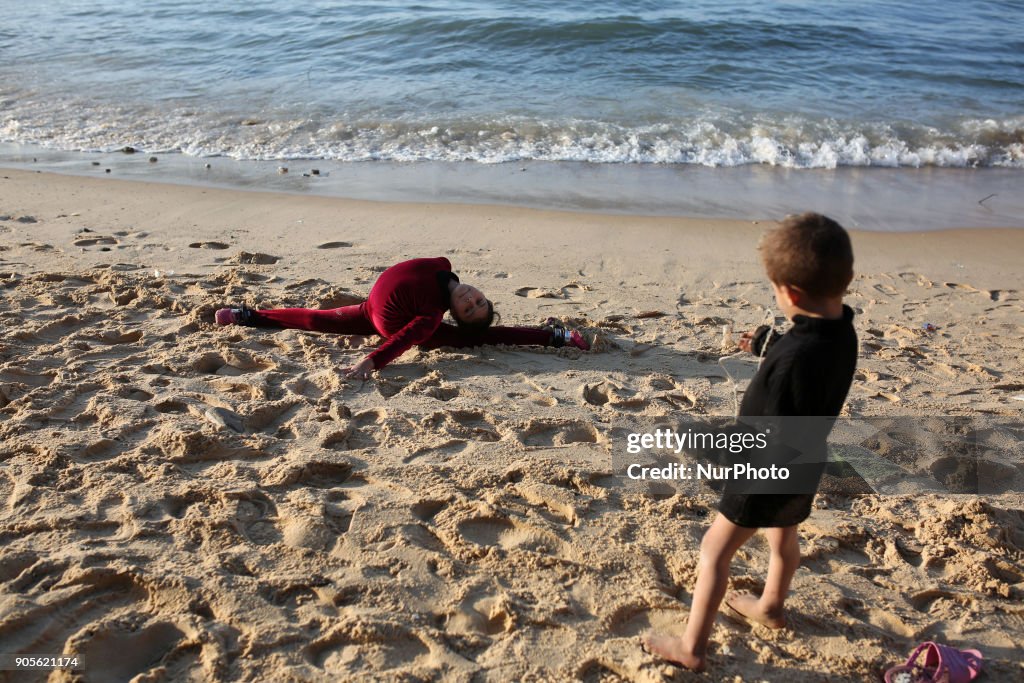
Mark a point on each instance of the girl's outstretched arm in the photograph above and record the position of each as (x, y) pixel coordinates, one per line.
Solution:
(418, 330)
(450, 335)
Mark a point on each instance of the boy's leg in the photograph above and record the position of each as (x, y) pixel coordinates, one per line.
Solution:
(344, 320)
(782, 565)
(720, 543)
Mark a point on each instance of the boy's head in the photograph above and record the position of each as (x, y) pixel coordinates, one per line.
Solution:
(809, 255)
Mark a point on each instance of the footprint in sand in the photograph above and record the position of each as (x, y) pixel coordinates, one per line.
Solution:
(887, 290)
(171, 406)
(101, 449)
(319, 474)
(15, 375)
(631, 620)
(362, 646)
(288, 594)
(316, 532)
(373, 417)
(375, 427)
(177, 506)
(614, 396)
(824, 551)
(534, 293)
(882, 619)
(95, 241)
(606, 668)
(689, 395)
(973, 475)
(924, 600)
(254, 516)
(916, 279)
(231, 364)
(561, 293)
(208, 245)
(481, 613)
(546, 433)
(501, 533)
(124, 651)
(598, 394)
(273, 416)
(432, 385)
(337, 437)
(476, 424)
(463, 424)
(67, 605)
(562, 505)
(426, 510)
(957, 285)
(485, 530)
(116, 337)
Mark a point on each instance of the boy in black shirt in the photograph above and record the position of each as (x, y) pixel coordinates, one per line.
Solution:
(807, 372)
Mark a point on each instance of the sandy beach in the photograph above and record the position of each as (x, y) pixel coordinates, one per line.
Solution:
(182, 502)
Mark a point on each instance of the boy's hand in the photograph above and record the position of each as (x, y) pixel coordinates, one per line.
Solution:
(360, 370)
(746, 341)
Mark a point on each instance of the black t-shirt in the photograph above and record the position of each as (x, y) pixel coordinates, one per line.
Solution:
(807, 372)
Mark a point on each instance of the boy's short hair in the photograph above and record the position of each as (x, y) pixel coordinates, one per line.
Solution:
(809, 251)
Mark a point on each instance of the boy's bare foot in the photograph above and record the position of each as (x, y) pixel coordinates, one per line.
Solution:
(671, 648)
(749, 607)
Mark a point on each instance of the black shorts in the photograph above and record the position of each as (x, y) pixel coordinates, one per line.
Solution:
(759, 510)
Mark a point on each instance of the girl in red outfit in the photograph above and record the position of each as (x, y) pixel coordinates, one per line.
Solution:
(406, 306)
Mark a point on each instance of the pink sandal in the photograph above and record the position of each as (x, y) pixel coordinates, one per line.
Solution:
(942, 664)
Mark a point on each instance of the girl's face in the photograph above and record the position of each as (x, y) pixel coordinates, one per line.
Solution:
(469, 304)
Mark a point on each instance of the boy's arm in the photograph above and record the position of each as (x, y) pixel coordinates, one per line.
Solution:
(760, 341)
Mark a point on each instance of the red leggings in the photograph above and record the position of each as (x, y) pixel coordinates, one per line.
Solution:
(355, 320)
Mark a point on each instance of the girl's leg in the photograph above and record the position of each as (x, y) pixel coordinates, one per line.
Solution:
(344, 320)
(782, 565)
(720, 543)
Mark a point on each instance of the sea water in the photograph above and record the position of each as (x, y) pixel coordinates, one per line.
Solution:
(708, 83)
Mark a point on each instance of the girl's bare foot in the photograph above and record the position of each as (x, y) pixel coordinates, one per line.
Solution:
(749, 607)
(672, 649)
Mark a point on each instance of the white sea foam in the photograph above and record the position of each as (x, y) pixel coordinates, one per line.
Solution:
(714, 141)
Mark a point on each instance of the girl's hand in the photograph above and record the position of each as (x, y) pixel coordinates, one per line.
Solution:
(746, 340)
(361, 370)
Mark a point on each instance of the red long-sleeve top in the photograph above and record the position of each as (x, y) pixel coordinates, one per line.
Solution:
(407, 305)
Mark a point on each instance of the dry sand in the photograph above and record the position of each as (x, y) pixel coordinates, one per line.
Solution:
(455, 518)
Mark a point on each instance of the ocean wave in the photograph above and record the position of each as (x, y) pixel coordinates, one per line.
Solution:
(714, 140)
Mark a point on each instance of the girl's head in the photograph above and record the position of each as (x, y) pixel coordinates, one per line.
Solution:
(471, 309)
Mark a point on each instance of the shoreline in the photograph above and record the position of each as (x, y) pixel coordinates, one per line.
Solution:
(873, 199)
(66, 205)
